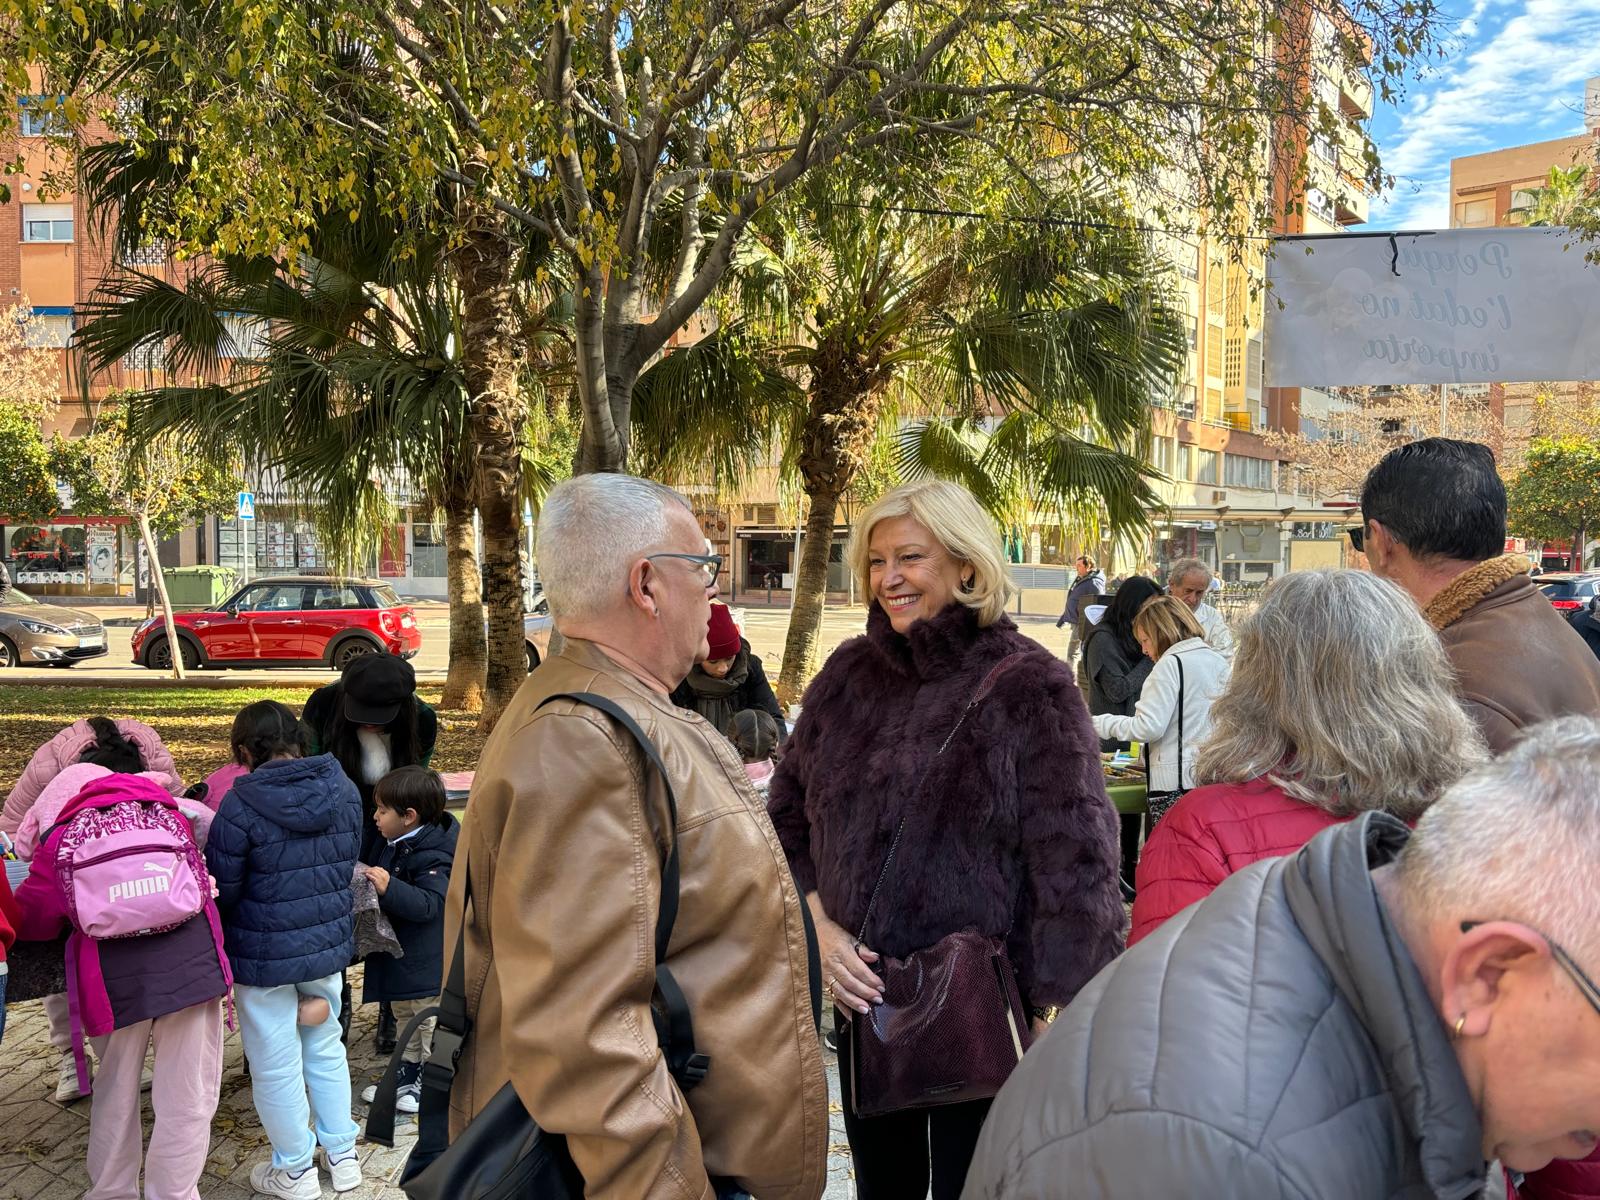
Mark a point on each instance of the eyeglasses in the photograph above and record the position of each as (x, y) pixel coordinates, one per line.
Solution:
(1590, 990)
(710, 564)
(1358, 538)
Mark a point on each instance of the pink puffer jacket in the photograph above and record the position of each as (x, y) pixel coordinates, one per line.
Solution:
(61, 751)
(57, 794)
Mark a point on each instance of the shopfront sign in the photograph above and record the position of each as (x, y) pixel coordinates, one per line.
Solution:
(1448, 306)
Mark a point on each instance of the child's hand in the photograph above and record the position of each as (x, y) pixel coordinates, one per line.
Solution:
(380, 879)
(215, 891)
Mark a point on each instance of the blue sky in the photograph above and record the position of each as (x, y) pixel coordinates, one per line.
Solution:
(1513, 73)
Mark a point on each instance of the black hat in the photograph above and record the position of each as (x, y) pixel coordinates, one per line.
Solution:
(375, 685)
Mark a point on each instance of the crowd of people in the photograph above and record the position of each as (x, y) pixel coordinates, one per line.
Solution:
(1362, 940)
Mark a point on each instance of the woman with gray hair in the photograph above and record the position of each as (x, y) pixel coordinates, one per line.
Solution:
(1341, 701)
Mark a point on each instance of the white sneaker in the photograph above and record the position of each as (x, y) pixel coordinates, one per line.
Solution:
(67, 1089)
(345, 1172)
(269, 1180)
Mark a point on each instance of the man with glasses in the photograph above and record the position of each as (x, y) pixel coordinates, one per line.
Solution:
(1382, 1014)
(566, 843)
(1434, 521)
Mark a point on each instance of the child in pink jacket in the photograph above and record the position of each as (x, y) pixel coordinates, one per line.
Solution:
(164, 987)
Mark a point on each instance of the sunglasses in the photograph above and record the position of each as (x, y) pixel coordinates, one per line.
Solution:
(1358, 538)
(710, 564)
(1590, 990)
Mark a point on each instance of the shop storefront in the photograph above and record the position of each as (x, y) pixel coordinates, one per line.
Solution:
(71, 556)
(764, 559)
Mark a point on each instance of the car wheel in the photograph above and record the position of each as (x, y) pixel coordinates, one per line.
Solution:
(347, 652)
(158, 657)
(8, 653)
(533, 656)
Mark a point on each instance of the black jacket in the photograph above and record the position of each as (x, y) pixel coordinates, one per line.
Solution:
(750, 689)
(1114, 681)
(1587, 622)
(419, 875)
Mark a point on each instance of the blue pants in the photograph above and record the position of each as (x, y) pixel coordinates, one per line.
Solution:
(289, 1060)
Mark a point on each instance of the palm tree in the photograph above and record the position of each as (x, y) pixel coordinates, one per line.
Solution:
(1567, 192)
(1023, 354)
(360, 381)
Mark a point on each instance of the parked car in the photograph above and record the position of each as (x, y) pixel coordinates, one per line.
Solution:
(536, 629)
(46, 635)
(297, 621)
(1569, 591)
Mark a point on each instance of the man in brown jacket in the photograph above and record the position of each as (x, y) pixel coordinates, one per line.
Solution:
(1434, 521)
(566, 833)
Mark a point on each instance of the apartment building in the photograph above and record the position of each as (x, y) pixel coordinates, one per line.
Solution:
(1499, 188)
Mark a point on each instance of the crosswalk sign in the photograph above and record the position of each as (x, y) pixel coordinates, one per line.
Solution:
(247, 506)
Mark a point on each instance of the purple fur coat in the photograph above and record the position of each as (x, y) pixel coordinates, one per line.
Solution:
(1011, 828)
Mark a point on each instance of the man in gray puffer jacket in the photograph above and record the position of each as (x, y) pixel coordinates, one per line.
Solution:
(1377, 1016)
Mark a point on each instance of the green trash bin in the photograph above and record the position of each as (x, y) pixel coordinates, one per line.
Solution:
(198, 587)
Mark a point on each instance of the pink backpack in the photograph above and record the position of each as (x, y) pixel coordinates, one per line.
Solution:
(130, 868)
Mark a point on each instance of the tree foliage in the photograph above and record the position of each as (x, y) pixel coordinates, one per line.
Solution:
(642, 139)
(1556, 495)
(1336, 447)
(27, 482)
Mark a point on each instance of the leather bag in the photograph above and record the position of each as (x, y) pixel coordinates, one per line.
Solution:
(951, 1027)
(503, 1154)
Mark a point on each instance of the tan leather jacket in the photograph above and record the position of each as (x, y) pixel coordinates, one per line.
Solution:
(560, 960)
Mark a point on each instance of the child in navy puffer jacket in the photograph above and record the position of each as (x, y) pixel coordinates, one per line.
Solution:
(283, 847)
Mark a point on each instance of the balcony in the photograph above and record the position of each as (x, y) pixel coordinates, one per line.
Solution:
(1355, 96)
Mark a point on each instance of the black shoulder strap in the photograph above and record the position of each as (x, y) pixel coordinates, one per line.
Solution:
(674, 1024)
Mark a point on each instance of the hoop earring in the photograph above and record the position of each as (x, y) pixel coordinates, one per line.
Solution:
(1461, 1023)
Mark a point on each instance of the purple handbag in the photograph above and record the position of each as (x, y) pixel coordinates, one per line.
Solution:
(951, 1027)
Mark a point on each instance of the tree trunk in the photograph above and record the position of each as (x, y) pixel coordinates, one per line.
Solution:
(158, 584)
(1579, 544)
(803, 644)
(469, 647)
(842, 410)
(489, 348)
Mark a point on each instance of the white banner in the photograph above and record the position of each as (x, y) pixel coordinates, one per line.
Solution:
(1453, 306)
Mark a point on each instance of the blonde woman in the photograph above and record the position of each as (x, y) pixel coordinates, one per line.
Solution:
(1341, 701)
(1173, 715)
(1007, 828)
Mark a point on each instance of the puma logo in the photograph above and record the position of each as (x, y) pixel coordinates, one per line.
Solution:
(160, 880)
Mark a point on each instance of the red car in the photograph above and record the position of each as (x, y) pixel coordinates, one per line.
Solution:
(298, 621)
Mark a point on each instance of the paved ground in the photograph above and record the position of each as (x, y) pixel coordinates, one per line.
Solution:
(43, 1144)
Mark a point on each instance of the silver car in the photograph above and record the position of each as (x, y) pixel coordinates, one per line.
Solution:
(536, 627)
(46, 635)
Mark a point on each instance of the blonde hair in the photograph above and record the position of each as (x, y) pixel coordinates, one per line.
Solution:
(956, 519)
(1166, 621)
(1342, 696)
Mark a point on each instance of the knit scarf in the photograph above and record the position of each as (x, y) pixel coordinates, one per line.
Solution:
(1470, 587)
(713, 698)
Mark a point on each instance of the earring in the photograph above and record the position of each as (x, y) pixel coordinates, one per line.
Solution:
(1461, 1023)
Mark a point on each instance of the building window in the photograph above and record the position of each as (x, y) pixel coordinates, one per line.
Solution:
(1165, 456)
(1214, 289)
(1213, 410)
(1240, 471)
(427, 550)
(40, 116)
(1205, 466)
(1214, 342)
(1185, 464)
(146, 357)
(48, 329)
(151, 254)
(1252, 379)
(1186, 402)
(1233, 370)
(47, 222)
(246, 337)
(1475, 212)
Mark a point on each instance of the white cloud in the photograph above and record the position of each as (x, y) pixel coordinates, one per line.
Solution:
(1523, 81)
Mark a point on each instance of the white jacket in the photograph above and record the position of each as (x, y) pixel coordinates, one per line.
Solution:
(1155, 717)
(1218, 636)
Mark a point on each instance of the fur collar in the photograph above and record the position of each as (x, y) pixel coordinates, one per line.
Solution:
(937, 647)
(1469, 588)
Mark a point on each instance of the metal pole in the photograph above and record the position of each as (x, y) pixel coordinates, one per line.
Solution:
(1444, 410)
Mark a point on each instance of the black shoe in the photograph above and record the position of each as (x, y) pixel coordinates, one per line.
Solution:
(1128, 893)
(831, 1041)
(386, 1030)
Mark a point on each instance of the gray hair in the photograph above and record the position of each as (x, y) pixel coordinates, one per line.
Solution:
(1341, 695)
(1517, 839)
(591, 529)
(1184, 568)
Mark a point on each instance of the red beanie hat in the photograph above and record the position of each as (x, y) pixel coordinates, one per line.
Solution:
(722, 634)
